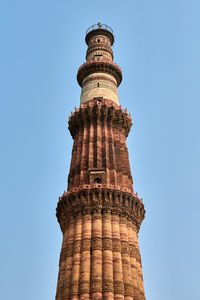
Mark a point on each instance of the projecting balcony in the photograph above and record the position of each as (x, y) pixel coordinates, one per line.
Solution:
(99, 26)
(99, 29)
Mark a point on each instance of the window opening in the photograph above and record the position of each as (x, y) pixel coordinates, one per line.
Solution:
(97, 180)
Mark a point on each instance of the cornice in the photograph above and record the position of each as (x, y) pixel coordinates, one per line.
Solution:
(100, 200)
(92, 111)
(102, 66)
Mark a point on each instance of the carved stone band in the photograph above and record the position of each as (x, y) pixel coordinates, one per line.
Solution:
(77, 247)
(116, 244)
(96, 285)
(108, 286)
(128, 289)
(134, 252)
(96, 244)
(125, 247)
(84, 286)
(107, 244)
(74, 288)
(119, 287)
(86, 245)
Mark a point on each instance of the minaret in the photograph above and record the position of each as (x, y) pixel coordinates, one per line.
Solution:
(100, 215)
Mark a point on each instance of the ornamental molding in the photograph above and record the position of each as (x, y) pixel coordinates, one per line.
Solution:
(98, 201)
(99, 66)
(99, 111)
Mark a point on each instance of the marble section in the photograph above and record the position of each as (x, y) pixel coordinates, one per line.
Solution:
(105, 86)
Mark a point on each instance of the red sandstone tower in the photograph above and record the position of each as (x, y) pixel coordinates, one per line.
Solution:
(100, 215)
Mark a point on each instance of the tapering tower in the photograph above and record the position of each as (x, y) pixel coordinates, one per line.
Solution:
(100, 215)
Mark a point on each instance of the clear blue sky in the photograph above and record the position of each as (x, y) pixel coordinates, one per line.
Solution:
(157, 46)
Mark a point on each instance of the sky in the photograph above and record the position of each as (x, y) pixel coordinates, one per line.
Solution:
(157, 46)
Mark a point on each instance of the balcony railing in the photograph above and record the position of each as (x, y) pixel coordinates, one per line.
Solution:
(99, 26)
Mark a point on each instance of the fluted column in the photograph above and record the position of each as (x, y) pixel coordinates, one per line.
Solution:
(132, 257)
(105, 147)
(112, 157)
(76, 259)
(99, 147)
(117, 259)
(91, 146)
(126, 259)
(78, 157)
(136, 253)
(108, 291)
(85, 257)
(68, 261)
(83, 165)
(72, 165)
(62, 266)
(96, 268)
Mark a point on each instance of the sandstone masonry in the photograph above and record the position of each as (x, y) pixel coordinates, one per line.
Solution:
(100, 215)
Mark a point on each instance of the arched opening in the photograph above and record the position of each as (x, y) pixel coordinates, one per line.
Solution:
(97, 180)
(124, 200)
(96, 196)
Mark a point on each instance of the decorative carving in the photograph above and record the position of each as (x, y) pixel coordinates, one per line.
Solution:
(104, 66)
(134, 252)
(137, 294)
(116, 245)
(119, 287)
(107, 244)
(106, 214)
(128, 289)
(134, 209)
(74, 288)
(125, 247)
(66, 288)
(99, 31)
(99, 187)
(77, 247)
(123, 220)
(92, 110)
(96, 243)
(96, 285)
(96, 213)
(84, 286)
(115, 217)
(108, 286)
(86, 244)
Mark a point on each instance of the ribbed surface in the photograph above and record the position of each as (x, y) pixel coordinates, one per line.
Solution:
(100, 215)
(99, 133)
(100, 259)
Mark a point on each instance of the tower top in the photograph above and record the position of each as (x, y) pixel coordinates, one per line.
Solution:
(97, 29)
(99, 76)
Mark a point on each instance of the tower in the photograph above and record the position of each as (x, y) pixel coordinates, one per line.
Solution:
(100, 215)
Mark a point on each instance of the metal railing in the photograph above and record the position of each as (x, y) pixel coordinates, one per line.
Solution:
(99, 26)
